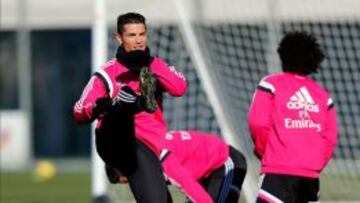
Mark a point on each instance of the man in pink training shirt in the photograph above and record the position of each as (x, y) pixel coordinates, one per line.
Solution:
(202, 165)
(129, 136)
(292, 122)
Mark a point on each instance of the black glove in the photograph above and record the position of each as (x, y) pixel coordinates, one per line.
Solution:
(102, 105)
(134, 60)
(128, 99)
(113, 174)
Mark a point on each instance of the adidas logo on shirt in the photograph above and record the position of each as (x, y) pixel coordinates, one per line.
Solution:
(302, 100)
(303, 103)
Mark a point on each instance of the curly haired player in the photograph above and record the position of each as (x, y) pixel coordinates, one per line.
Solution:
(292, 122)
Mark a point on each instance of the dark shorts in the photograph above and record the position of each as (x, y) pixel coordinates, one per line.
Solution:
(276, 188)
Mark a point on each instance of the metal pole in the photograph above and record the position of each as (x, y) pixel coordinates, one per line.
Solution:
(23, 44)
(98, 56)
(274, 30)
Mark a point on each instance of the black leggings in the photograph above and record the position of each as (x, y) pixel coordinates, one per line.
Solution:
(226, 188)
(117, 146)
(147, 181)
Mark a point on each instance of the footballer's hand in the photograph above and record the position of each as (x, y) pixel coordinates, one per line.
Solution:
(102, 105)
(128, 100)
(126, 95)
(114, 175)
(123, 180)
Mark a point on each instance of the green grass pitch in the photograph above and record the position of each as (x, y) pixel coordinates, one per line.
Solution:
(75, 187)
(63, 188)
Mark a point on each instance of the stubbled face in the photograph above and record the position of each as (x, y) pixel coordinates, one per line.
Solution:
(134, 37)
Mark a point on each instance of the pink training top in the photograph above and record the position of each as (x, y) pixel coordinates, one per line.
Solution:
(193, 155)
(292, 122)
(149, 128)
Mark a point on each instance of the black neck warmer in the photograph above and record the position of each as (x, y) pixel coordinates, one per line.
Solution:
(134, 60)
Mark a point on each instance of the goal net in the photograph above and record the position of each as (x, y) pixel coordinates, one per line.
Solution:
(225, 47)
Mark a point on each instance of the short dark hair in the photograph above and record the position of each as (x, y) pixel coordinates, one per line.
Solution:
(300, 53)
(127, 18)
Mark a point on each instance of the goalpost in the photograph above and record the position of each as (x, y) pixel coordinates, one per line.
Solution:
(99, 57)
(225, 47)
(214, 94)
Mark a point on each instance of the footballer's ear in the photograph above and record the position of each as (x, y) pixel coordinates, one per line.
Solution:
(118, 38)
